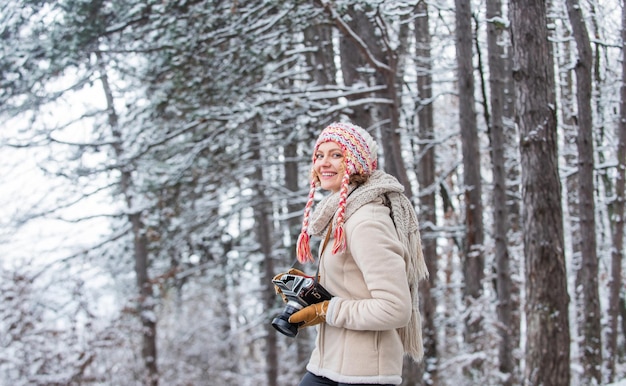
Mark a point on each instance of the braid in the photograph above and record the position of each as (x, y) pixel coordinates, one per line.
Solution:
(340, 238)
(303, 248)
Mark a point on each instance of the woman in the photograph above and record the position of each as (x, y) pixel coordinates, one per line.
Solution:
(372, 268)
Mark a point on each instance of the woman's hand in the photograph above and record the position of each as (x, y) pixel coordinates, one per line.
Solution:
(310, 315)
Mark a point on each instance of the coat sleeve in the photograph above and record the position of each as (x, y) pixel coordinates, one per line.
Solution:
(375, 247)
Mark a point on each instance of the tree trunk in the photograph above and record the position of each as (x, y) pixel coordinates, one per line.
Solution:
(146, 299)
(570, 156)
(362, 44)
(548, 338)
(145, 302)
(512, 170)
(588, 271)
(352, 63)
(617, 225)
(321, 60)
(262, 217)
(473, 265)
(428, 186)
(303, 343)
(497, 82)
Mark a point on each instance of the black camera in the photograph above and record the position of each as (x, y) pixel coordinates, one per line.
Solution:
(300, 291)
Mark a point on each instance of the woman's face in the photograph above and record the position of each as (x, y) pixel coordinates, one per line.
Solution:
(329, 166)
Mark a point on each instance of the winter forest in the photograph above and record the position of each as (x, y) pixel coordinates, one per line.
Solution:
(155, 164)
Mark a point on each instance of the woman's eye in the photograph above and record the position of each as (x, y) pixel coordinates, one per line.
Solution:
(332, 155)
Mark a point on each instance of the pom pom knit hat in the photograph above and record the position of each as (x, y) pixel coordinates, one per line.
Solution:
(360, 157)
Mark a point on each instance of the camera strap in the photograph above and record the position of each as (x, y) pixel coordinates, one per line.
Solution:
(330, 228)
(319, 263)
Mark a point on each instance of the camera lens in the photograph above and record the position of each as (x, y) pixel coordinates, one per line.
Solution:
(281, 322)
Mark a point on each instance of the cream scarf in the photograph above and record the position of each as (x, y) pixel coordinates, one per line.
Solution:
(381, 184)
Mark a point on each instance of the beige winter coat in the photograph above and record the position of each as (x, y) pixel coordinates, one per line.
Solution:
(360, 343)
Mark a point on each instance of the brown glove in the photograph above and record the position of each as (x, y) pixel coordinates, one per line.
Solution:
(311, 315)
(292, 271)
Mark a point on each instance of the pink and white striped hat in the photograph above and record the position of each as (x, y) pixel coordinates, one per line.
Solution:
(360, 155)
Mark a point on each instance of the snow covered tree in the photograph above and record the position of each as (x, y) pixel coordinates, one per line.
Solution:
(616, 292)
(548, 336)
(588, 269)
(473, 259)
(426, 176)
(499, 79)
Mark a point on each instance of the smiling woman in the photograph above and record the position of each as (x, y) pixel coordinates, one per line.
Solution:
(373, 319)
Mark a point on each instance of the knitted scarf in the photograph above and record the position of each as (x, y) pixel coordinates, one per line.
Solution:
(381, 184)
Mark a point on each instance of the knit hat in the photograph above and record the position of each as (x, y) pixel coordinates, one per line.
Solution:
(360, 157)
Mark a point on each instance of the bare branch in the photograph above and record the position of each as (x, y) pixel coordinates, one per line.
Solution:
(356, 38)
